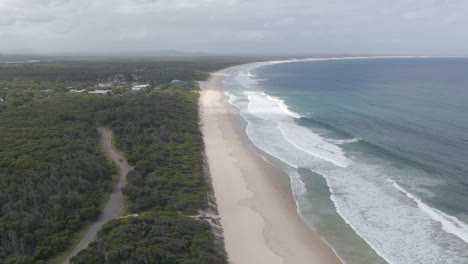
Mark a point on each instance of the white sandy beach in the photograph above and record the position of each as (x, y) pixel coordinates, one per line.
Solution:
(258, 213)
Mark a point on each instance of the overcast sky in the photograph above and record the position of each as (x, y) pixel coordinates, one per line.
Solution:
(233, 26)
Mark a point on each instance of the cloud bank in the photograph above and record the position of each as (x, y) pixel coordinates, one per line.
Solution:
(236, 26)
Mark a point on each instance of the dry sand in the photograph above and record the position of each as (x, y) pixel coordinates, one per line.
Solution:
(258, 213)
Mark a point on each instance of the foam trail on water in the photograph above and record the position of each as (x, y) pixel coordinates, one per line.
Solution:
(450, 224)
(343, 141)
(313, 144)
(232, 99)
(394, 228)
(297, 184)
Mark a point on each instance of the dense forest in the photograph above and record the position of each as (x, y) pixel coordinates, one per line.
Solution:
(157, 70)
(54, 177)
(159, 133)
(156, 239)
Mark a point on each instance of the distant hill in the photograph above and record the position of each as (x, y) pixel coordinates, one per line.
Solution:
(12, 58)
(31, 56)
(60, 56)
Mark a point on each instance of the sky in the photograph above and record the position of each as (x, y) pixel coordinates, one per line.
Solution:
(411, 27)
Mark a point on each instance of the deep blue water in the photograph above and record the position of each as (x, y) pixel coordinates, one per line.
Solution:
(376, 149)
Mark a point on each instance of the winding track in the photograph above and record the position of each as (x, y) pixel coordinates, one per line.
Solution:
(115, 203)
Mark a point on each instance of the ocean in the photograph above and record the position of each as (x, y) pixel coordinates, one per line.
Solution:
(376, 150)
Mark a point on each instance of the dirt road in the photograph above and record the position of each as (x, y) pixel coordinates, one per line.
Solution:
(115, 203)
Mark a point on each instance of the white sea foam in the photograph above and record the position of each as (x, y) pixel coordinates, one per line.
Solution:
(264, 108)
(273, 109)
(393, 227)
(450, 224)
(343, 141)
(269, 131)
(284, 107)
(313, 144)
(397, 229)
(232, 99)
(269, 107)
(243, 76)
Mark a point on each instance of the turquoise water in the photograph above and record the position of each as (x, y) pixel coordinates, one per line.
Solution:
(376, 150)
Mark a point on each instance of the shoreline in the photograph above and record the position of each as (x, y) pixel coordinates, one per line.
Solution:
(254, 198)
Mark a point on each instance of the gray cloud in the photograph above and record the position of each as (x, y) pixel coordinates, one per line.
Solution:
(313, 26)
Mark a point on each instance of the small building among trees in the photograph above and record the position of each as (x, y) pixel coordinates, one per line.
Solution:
(176, 82)
(101, 92)
(138, 88)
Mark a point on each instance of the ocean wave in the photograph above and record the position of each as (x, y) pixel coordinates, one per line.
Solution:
(269, 107)
(450, 224)
(284, 107)
(303, 139)
(396, 230)
(309, 142)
